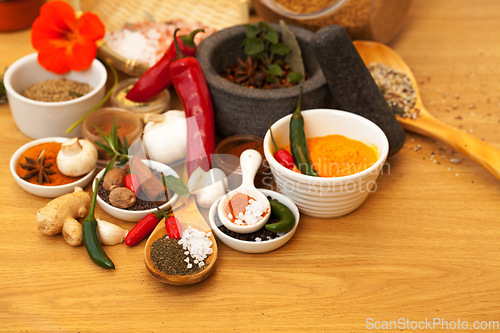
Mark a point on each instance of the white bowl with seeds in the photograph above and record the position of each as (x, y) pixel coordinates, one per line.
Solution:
(40, 119)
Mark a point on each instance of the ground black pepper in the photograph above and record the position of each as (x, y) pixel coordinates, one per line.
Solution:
(169, 257)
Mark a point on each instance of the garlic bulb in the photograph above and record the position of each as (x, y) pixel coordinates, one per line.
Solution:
(109, 233)
(165, 136)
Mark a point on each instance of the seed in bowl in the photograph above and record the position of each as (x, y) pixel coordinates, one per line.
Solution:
(57, 90)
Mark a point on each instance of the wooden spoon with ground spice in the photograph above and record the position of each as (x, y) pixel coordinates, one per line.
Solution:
(186, 211)
(426, 124)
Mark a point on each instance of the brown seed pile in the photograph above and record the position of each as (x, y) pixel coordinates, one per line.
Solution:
(57, 90)
(397, 89)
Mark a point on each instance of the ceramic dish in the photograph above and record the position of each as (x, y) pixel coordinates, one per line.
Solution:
(135, 216)
(328, 197)
(128, 124)
(252, 246)
(45, 190)
(48, 119)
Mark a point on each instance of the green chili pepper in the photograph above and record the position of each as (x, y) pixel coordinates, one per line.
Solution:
(284, 214)
(298, 143)
(91, 237)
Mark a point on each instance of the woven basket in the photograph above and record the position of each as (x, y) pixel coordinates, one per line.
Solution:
(218, 14)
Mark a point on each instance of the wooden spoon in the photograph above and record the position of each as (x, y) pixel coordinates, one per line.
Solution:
(188, 214)
(426, 124)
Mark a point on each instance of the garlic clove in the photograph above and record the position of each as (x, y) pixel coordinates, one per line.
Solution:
(208, 186)
(194, 183)
(110, 233)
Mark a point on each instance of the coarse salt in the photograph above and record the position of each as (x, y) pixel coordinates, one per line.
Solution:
(197, 244)
(253, 213)
(146, 42)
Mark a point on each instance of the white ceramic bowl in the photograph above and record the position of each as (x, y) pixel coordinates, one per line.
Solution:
(45, 190)
(327, 197)
(43, 119)
(251, 246)
(137, 215)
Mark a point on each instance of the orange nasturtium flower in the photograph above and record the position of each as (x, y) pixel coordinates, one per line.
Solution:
(64, 42)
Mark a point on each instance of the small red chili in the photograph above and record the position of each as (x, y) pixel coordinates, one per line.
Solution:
(142, 229)
(131, 182)
(281, 155)
(173, 226)
(158, 78)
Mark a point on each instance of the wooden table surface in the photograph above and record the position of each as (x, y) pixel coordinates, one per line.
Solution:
(424, 246)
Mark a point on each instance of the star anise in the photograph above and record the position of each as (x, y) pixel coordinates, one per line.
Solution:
(37, 168)
(245, 70)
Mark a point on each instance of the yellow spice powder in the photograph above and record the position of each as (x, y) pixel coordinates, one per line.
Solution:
(337, 155)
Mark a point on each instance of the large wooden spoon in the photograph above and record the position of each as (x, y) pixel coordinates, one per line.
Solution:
(426, 124)
(188, 214)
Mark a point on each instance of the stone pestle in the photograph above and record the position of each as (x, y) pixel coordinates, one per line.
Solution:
(351, 84)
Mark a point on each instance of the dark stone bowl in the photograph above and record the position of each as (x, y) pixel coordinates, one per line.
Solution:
(241, 110)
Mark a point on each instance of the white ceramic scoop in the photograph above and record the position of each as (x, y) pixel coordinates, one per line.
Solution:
(250, 161)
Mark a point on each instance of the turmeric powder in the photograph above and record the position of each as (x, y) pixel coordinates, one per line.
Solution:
(337, 156)
(49, 150)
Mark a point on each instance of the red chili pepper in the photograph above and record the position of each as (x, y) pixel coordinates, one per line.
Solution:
(281, 155)
(142, 229)
(191, 86)
(173, 226)
(158, 78)
(131, 182)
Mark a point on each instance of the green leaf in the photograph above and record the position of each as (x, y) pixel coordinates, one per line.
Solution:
(272, 37)
(126, 146)
(253, 46)
(175, 184)
(294, 77)
(280, 49)
(266, 27)
(104, 147)
(294, 57)
(114, 135)
(271, 79)
(275, 70)
(104, 136)
(252, 30)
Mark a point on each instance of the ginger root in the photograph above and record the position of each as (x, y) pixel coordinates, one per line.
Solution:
(53, 217)
(72, 231)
